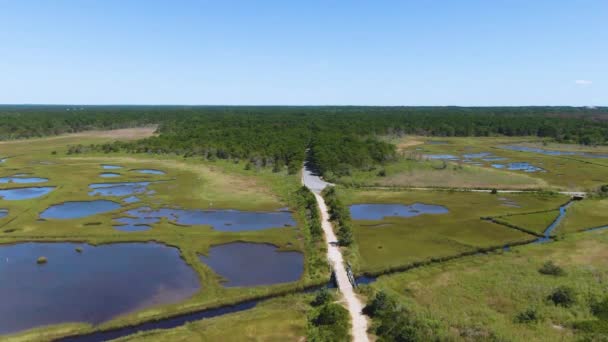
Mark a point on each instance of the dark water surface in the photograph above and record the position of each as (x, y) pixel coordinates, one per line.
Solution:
(92, 286)
(25, 193)
(222, 220)
(253, 264)
(78, 209)
(109, 175)
(380, 211)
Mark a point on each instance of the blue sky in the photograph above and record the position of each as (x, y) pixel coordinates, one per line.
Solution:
(425, 52)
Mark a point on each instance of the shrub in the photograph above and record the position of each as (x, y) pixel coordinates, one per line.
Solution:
(382, 173)
(530, 315)
(600, 309)
(329, 323)
(42, 260)
(494, 191)
(551, 268)
(79, 249)
(323, 297)
(563, 296)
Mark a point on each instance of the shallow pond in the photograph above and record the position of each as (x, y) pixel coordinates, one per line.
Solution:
(78, 209)
(3, 212)
(135, 224)
(118, 189)
(552, 152)
(380, 211)
(150, 171)
(523, 166)
(477, 155)
(92, 286)
(442, 157)
(253, 264)
(109, 175)
(110, 167)
(20, 179)
(25, 193)
(131, 199)
(222, 220)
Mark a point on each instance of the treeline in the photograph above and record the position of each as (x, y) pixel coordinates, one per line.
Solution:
(340, 215)
(338, 138)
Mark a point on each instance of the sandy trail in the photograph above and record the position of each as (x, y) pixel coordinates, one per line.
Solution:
(353, 303)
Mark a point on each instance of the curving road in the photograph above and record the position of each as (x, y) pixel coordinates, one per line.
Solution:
(334, 255)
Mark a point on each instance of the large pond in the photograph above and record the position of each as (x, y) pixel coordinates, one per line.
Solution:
(20, 179)
(24, 193)
(78, 209)
(380, 211)
(119, 189)
(222, 220)
(552, 152)
(253, 264)
(92, 286)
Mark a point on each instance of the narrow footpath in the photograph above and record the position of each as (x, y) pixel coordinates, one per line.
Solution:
(353, 303)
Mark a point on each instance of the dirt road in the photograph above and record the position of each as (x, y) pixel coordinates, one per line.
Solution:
(353, 303)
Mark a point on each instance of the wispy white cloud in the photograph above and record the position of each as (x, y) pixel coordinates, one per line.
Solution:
(583, 82)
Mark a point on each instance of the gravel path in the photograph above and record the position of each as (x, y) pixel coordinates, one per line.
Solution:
(353, 303)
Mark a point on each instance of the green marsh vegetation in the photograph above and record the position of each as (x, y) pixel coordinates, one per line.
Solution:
(189, 184)
(396, 242)
(503, 296)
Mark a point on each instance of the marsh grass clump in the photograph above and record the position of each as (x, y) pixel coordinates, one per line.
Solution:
(78, 249)
(550, 268)
(529, 315)
(563, 296)
(41, 260)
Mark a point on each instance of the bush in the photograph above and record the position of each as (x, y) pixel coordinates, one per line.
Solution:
(382, 173)
(330, 323)
(563, 296)
(530, 315)
(551, 268)
(494, 191)
(600, 309)
(323, 297)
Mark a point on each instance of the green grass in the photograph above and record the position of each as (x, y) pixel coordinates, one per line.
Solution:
(585, 214)
(482, 295)
(535, 222)
(394, 242)
(281, 319)
(188, 183)
(563, 172)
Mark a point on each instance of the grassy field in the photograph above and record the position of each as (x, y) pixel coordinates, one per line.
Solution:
(585, 214)
(562, 172)
(479, 297)
(534, 222)
(394, 241)
(281, 319)
(188, 184)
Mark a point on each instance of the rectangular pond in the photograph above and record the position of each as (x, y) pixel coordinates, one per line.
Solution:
(16, 194)
(254, 264)
(380, 211)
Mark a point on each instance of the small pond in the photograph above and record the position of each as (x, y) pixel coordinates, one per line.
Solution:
(24, 193)
(78, 209)
(135, 224)
(522, 166)
(441, 157)
(92, 286)
(552, 152)
(380, 211)
(118, 189)
(477, 155)
(222, 220)
(109, 175)
(3, 212)
(110, 167)
(131, 199)
(150, 171)
(20, 179)
(253, 264)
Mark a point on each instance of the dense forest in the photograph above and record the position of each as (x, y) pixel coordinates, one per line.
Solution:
(337, 138)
